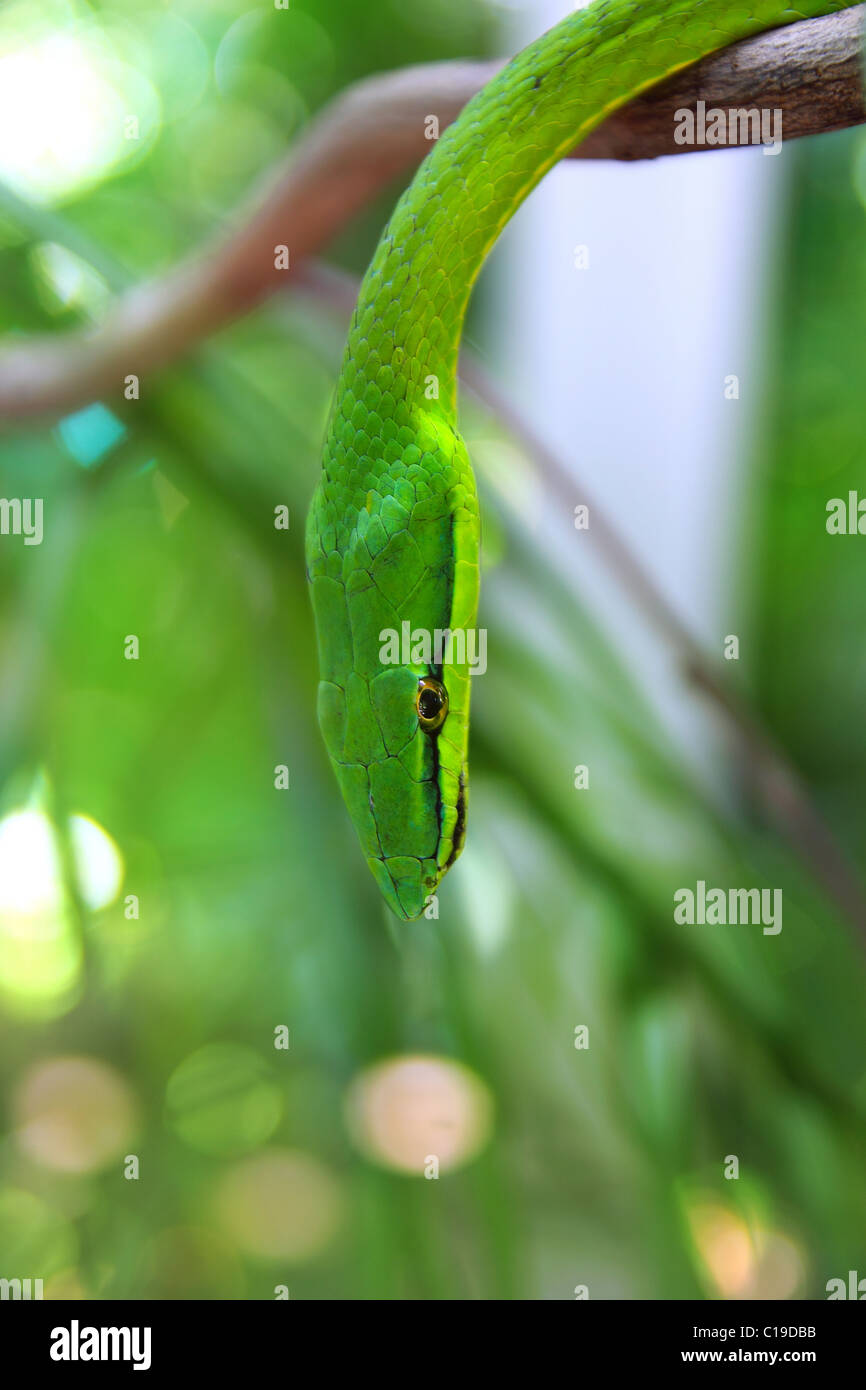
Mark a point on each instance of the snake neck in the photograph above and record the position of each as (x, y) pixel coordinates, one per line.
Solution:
(405, 333)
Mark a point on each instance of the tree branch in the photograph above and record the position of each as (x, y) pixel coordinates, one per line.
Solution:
(810, 71)
(368, 136)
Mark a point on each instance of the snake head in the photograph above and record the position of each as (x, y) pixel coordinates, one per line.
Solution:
(394, 692)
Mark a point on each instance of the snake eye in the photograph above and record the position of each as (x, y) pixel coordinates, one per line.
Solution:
(431, 702)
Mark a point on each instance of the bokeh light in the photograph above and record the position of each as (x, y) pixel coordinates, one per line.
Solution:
(98, 862)
(74, 1114)
(403, 1111)
(90, 433)
(30, 874)
(31, 877)
(281, 1205)
(35, 1240)
(221, 1100)
(744, 1259)
(40, 951)
(65, 98)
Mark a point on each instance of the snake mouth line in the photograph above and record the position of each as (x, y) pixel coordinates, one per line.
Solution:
(460, 827)
(459, 835)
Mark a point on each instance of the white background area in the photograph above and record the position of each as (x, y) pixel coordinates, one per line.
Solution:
(621, 368)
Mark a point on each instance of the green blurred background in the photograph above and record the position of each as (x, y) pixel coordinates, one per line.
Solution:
(226, 1071)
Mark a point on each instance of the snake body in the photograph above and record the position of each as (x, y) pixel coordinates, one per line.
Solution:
(393, 531)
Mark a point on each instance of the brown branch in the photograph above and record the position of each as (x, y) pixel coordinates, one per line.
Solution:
(811, 72)
(371, 134)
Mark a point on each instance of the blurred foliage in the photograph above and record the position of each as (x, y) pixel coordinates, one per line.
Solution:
(156, 1037)
(812, 603)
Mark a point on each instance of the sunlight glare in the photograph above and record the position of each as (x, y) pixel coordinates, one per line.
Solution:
(64, 101)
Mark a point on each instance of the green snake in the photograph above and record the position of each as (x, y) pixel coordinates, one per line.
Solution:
(393, 533)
